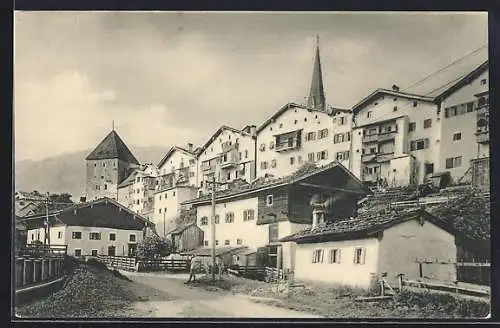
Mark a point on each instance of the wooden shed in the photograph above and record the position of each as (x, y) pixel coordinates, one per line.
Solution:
(187, 237)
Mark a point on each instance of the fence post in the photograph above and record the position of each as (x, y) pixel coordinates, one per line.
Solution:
(400, 282)
(25, 272)
(34, 271)
(42, 275)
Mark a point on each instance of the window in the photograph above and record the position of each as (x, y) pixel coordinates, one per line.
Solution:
(342, 120)
(205, 243)
(273, 163)
(191, 174)
(246, 153)
(271, 145)
(359, 255)
(299, 159)
(295, 122)
(94, 236)
(104, 164)
(310, 157)
(112, 236)
(483, 81)
(76, 235)
(33, 236)
(173, 194)
(262, 147)
(281, 125)
(131, 238)
(415, 103)
(453, 162)
(342, 155)
(427, 123)
(292, 160)
(263, 165)
(310, 136)
(239, 241)
(228, 176)
(248, 215)
(412, 126)
(96, 187)
(204, 220)
(317, 256)
(457, 136)
(334, 256)
(229, 217)
(226, 242)
(217, 219)
(159, 211)
(94, 252)
(322, 133)
(102, 176)
(59, 235)
(269, 200)
(216, 242)
(429, 168)
(322, 155)
(369, 114)
(470, 107)
(395, 109)
(78, 252)
(273, 232)
(419, 144)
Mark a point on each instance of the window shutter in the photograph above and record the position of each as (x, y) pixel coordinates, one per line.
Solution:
(426, 143)
(412, 145)
(354, 258)
(338, 255)
(363, 254)
(322, 253)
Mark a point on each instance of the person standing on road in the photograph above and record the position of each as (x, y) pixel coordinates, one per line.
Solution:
(192, 268)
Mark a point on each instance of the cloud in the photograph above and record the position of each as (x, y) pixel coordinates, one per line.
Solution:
(172, 78)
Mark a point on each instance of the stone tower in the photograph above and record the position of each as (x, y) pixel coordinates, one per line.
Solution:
(108, 165)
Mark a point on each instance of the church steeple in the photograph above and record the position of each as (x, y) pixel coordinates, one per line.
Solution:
(316, 97)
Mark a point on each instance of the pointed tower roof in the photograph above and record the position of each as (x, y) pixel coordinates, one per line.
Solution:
(316, 97)
(113, 147)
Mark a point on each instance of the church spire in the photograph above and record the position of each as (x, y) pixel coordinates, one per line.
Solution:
(316, 97)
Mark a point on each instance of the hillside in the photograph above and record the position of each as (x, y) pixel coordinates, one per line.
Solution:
(66, 172)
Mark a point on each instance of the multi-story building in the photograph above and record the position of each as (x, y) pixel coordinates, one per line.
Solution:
(228, 155)
(107, 166)
(176, 183)
(296, 133)
(260, 213)
(137, 191)
(402, 138)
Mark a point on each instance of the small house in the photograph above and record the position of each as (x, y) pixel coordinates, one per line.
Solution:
(350, 252)
(100, 227)
(187, 237)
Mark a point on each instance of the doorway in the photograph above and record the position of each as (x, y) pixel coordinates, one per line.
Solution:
(111, 251)
(132, 250)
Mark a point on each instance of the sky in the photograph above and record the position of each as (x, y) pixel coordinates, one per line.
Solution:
(169, 78)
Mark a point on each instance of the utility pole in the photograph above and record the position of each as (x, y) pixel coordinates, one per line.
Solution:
(214, 184)
(164, 232)
(47, 228)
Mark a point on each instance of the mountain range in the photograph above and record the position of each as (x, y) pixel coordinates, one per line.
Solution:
(66, 173)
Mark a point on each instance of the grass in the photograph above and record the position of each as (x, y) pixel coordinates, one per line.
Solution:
(91, 291)
(336, 301)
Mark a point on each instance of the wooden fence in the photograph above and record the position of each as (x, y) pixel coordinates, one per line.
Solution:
(272, 274)
(34, 271)
(135, 264)
(35, 250)
(120, 262)
(441, 287)
(474, 273)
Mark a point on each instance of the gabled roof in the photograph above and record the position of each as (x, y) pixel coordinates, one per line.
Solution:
(112, 146)
(30, 208)
(128, 180)
(172, 150)
(216, 134)
(329, 111)
(265, 184)
(102, 213)
(179, 230)
(377, 93)
(446, 90)
(364, 226)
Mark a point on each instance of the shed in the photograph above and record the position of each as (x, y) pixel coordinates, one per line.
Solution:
(186, 238)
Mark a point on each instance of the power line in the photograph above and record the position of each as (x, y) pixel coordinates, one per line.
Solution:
(446, 67)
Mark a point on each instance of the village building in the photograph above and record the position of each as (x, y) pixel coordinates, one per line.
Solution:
(258, 214)
(100, 227)
(107, 166)
(355, 251)
(176, 183)
(137, 191)
(186, 238)
(297, 133)
(403, 138)
(228, 155)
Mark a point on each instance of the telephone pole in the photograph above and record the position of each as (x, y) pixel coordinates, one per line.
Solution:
(214, 184)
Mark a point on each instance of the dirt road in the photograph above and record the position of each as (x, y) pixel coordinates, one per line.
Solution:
(182, 300)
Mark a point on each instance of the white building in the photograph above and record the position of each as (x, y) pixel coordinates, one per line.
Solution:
(228, 155)
(137, 191)
(98, 227)
(304, 133)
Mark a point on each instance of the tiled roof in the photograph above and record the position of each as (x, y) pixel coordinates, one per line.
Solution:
(104, 213)
(112, 147)
(216, 134)
(182, 228)
(362, 226)
(171, 151)
(438, 83)
(128, 180)
(265, 183)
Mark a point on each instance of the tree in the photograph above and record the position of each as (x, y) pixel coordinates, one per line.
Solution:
(61, 198)
(154, 246)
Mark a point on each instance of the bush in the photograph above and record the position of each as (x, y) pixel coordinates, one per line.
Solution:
(154, 246)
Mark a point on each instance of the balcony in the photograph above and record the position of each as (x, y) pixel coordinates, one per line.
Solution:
(228, 163)
(287, 145)
(483, 110)
(370, 138)
(386, 136)
(482, 137)
(208, 166)
(384, 157)
(368, 157)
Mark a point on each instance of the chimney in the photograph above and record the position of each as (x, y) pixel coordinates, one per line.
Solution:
(318, 217)
(190, 146)
(395, 88)
(253, 130)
